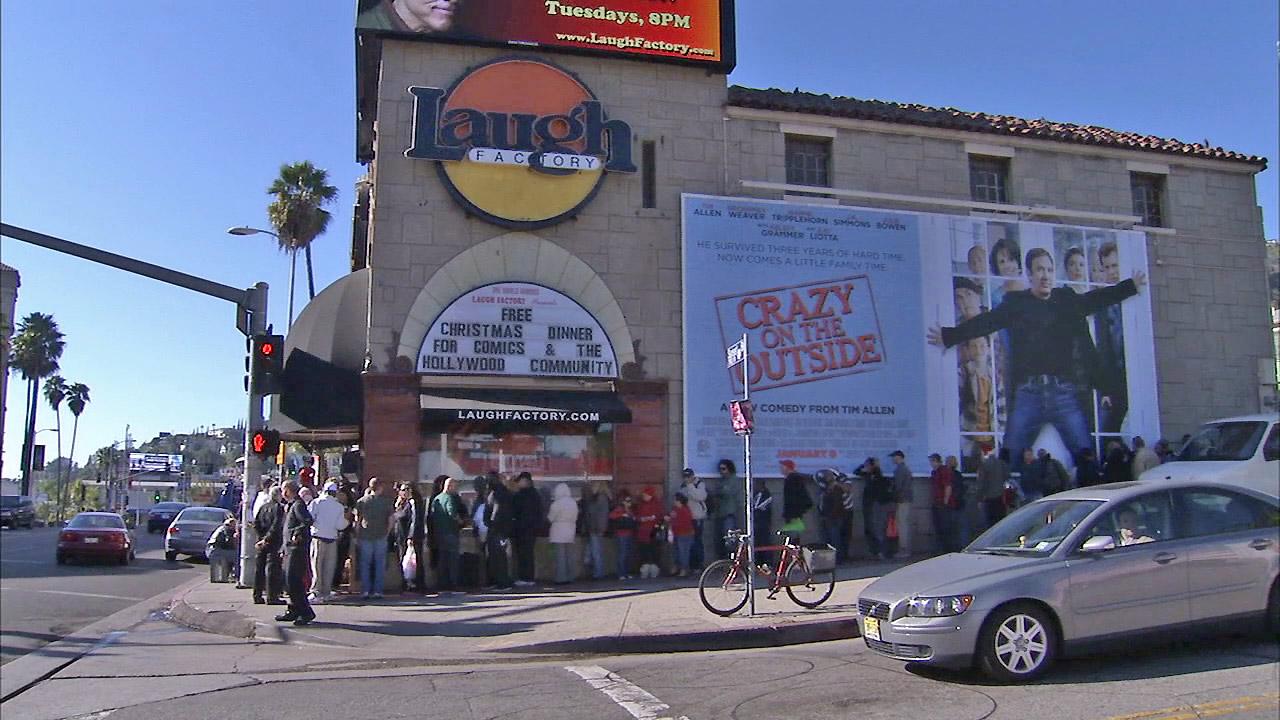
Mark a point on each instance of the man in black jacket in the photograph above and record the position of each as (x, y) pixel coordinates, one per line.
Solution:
(497, 517)
(297, 543)
(267, 575)
(527, 521)
(1052, 358)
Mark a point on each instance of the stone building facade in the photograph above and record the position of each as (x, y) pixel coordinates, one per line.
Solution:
(619, 255)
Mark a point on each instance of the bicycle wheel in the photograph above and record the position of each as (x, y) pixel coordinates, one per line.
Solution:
(723, 588)
(809, 589)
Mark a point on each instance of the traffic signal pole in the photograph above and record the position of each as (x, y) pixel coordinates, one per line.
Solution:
(251, 319)
(254, 468)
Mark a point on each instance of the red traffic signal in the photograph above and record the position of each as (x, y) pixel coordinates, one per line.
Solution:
(266, 363)
(264, 443)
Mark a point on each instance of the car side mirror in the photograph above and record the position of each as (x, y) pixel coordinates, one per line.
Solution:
(1098, 544)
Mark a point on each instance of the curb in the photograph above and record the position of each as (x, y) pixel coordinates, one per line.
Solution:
(23, 672)
(238, 625)
(220, 622)
(737, 639)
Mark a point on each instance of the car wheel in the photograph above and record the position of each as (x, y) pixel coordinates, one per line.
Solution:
(61, 559)
(1017, 643)
(170, 555)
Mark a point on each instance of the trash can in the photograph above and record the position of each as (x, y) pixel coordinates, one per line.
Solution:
(219, 567)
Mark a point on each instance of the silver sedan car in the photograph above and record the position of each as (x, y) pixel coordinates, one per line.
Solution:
(1081, 570)
(190, 531)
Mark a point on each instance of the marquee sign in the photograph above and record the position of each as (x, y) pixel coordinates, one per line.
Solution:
(521, 143)
(517, 329)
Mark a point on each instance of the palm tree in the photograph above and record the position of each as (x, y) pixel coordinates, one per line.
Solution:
(55, 391)
(105, 459)
(77, 398)
(298, 215)
(36, 349)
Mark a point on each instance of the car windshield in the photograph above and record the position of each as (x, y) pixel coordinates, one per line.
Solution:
(213, 515)
(168, 507)
(10, 501)
(1224, 441)
(96, 522)
(1035, 530)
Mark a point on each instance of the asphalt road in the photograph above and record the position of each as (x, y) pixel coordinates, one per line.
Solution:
(1234, 679)
(41, 601)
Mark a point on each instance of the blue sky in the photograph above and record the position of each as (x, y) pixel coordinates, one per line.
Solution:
(148, 128)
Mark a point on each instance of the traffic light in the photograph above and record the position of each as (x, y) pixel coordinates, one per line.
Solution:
(265, 364)
(155, 498)
(264, 443)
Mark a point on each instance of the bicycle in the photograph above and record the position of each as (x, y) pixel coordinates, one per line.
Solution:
(807, 574)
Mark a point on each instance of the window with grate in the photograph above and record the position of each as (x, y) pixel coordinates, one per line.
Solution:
(808, 161)
(989, 179)
(1148, 194)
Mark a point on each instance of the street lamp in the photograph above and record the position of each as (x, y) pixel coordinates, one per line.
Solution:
(293, 258)
(33, 441)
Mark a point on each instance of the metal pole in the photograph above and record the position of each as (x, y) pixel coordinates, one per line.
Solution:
(751, 524)
(256, 304)
(293, 270)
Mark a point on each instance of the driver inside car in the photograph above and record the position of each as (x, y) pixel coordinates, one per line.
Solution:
(1129, 532)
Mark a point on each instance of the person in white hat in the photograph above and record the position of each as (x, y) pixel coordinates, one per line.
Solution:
(330, 520)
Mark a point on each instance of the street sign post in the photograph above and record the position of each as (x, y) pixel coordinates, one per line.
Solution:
(740, 414)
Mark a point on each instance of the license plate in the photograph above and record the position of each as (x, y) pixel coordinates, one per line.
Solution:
(90, 541)
(871, 628)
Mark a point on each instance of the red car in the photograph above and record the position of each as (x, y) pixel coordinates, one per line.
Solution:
(97, 535)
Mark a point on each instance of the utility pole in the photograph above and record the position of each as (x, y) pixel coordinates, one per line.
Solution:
(250, 319)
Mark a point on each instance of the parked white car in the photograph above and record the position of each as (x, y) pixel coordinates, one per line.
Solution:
(1242, 451)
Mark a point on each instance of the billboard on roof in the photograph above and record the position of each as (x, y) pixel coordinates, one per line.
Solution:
(694, 32)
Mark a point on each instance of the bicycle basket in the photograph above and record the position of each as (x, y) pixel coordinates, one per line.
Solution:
(819, 557)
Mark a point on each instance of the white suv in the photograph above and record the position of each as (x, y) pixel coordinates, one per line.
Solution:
(1243, 451)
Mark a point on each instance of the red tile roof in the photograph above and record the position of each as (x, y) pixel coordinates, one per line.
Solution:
(952, 119)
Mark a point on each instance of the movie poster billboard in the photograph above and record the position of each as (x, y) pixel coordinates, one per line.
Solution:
(874, 330)
(696, 32)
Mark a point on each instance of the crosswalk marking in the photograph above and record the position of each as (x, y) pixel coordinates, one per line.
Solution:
(630, 697)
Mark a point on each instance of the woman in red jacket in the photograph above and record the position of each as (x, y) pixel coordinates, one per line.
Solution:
(622, 521)
(682, 529)
(648, 516)
(943, 505)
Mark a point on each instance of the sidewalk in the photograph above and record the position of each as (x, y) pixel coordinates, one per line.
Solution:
(589, 617)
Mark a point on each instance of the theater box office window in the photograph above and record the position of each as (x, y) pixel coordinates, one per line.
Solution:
(518, 377)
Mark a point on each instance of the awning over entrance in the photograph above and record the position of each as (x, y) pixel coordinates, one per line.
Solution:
(322, 399)
(443, 406)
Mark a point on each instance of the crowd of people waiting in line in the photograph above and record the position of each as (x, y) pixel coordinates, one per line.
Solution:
(312, 542)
